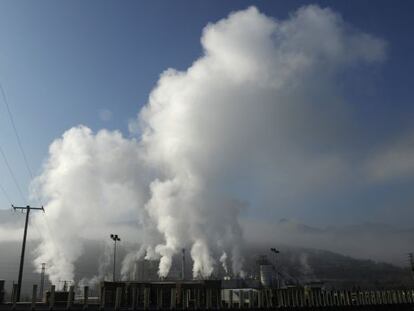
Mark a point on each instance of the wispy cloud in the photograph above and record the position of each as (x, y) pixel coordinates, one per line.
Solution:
(105, 115)
(393, 161)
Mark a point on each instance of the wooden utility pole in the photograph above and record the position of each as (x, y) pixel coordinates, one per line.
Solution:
(27, 208)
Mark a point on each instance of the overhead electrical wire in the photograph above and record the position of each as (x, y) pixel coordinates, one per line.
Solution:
(19, 142)
(5, 194)
(11, 173)
(26, 162)
(16, 133)
(3, 155)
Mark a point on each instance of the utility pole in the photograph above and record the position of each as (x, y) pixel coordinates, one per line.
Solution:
(115, 238)
(27, 208)
(42, 280)
(275, 251)
(411, 256)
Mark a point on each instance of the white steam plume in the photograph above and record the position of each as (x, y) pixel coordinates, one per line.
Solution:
(93, 185)
(129, 263)
(104, 264)
(223, 260)
(233, 128)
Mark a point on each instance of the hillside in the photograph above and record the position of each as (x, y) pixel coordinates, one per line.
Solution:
(296, 265)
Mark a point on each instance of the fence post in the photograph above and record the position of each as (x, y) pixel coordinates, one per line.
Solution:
(241, 299)
(250, 299)
(34, 296)
(70, 298)
(379, 297)
(411, 296)
(373, 298)
(260, 298)
(209, 297)
(318, 298)
(389, 297)
(267, 298)
(118, 298)
(347, 298)
(159, 298)
(133, 291)
(197, 296)
(402, 297)
(300, 297)
(323, 298)
(230, 291)
(296, 298)
(146, 298)
(361, 298)
(218, 298)
(173, 298)
(103, 298)
(384, 298)
(85, 297)
(52, 297)
(14, 296)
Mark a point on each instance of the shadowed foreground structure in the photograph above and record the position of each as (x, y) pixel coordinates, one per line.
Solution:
(210, 295)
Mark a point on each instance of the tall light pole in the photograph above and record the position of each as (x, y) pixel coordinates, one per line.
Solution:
(115, 238)
(275, 251)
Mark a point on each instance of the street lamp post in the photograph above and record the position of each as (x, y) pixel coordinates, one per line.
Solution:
(275, 251)
(115, 238)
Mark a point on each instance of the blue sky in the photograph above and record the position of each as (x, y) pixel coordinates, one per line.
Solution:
(62, 63)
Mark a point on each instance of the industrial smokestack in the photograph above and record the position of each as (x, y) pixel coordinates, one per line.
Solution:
(183, 265)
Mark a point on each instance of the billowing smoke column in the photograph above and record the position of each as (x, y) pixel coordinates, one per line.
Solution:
(234, 127)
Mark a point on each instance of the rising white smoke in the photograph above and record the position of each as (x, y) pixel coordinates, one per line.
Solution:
(93, 185)
(129, 263)
(223, 260)
(244, 124)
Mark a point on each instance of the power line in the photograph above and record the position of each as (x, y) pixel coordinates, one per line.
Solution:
(11, 173)
(3, 190)
(19, 142)
(26, 162)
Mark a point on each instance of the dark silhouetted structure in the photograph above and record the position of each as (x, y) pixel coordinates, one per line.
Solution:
(115, 238)
(28, 209)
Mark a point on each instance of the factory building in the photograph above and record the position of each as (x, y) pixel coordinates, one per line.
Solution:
(192, 294)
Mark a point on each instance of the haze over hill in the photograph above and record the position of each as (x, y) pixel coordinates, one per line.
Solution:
(296, 265)
(364, 241)
(304, 256)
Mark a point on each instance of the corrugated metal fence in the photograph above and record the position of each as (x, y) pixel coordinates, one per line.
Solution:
(213, 299)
